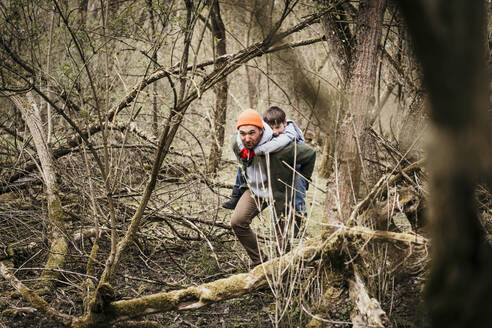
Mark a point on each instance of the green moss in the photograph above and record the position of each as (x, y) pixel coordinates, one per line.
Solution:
(55, 212)
(10, 252)
(56, 259)
(207, 262)
(59, 245)
(8, 196)
(32, 297)
(88, 287)
(10, 313)
(220, 288)
(156, 302)
(58, 250)
(92, 259)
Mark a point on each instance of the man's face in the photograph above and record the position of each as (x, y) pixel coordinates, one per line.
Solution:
(278, 128)
(250, 135)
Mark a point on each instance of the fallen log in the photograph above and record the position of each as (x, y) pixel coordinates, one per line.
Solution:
(195, 297)
(367, 311)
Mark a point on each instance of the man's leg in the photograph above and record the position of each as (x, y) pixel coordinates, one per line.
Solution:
(236, 192)
(245, 211)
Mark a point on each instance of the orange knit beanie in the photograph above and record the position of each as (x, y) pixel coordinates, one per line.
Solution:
(249, 117)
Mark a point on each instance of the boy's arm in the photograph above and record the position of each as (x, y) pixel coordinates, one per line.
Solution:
(278, 142)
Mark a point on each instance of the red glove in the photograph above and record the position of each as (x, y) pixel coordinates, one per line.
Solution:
(246, 153)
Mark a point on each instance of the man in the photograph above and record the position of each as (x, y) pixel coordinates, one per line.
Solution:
(269, 180)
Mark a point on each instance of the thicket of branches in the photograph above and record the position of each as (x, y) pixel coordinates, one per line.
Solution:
(114, 133)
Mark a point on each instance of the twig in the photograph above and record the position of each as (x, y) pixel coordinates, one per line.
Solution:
(308, 180)
(378, 188)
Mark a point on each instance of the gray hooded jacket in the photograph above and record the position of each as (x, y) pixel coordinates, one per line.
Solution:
(256, 171)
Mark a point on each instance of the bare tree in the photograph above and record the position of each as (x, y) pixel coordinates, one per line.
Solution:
(221, 89)
(56, 217)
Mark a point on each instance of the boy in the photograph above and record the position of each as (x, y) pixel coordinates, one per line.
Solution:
(284, 132)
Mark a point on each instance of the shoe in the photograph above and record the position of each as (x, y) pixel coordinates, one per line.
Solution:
(236, 195)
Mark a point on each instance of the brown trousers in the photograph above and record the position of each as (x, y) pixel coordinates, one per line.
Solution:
(246, 209)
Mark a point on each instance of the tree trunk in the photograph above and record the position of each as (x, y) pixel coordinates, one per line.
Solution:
(335, 26)
(56, 216)
(449, 43)
(253, 77)
(351, 144)
(339, 37)
(221, 89)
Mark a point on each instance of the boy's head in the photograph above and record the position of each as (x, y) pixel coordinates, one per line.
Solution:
(275, 117)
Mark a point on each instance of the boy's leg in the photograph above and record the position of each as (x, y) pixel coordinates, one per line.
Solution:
(239, 178)
(236, 192)
(246, 210)
(300, 204)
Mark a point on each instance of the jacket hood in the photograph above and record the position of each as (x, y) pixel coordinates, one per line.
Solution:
(300, 136)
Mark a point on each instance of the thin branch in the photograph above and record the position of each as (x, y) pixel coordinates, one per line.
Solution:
(33, 298)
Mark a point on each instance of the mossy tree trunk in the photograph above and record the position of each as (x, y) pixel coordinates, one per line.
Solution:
(56, 217)
(351, 144)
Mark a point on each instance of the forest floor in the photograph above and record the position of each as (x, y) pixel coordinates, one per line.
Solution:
(258, 309)
(160, 260)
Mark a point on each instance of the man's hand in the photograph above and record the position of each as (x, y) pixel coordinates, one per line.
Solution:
(246, 154)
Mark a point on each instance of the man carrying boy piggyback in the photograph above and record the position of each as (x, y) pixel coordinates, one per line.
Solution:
(269, 180)
(284, 132)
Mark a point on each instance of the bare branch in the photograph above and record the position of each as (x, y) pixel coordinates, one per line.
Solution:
(33, 298)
